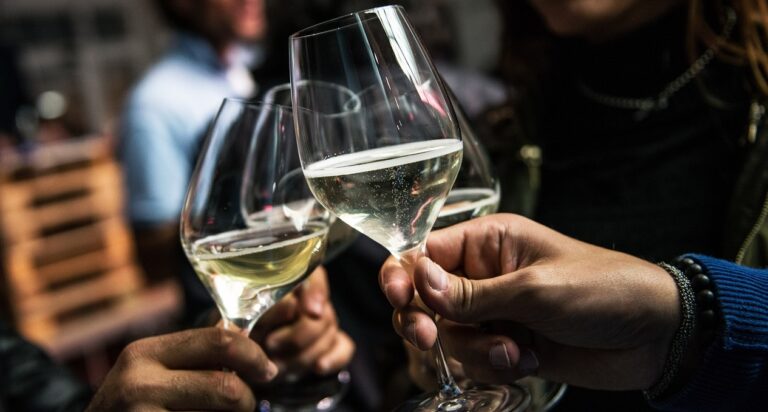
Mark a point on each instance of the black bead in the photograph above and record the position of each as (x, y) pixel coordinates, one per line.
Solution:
(707, 319)
(705, 298)
(700, 281)
(688, 261)
(693, 270)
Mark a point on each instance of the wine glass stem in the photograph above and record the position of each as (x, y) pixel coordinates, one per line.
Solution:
(240, 325)
(445, 381)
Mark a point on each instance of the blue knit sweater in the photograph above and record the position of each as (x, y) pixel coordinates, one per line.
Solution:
(733, 373)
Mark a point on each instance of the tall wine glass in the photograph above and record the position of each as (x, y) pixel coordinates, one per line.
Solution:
(387, 170)
(251, 242)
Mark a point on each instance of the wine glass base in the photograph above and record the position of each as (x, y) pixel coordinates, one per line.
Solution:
(544, 394)
(481, 398)
(309, 394)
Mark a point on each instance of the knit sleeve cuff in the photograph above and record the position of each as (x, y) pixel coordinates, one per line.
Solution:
(733, 370)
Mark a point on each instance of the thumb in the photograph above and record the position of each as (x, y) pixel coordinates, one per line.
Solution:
(464, 300)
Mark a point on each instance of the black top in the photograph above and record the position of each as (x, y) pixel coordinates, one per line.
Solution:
(654, 187)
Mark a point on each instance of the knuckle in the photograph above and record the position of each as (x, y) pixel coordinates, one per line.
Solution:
(133, 351)
(132, 354)
(221, 340)
(512, 223)
(229, 388)
(463, 301)
(528, 285)
(350, 345)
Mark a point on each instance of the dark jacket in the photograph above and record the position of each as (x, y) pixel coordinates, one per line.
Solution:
(746, 239)
(30, 381)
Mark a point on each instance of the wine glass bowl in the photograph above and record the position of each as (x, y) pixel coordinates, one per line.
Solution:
(249, 225)
(358, 168)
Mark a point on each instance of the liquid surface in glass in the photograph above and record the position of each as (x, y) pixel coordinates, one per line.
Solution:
(238, 267)
(467, 203)
(391, 194)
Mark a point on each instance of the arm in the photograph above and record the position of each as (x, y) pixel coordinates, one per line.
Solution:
(575, 313)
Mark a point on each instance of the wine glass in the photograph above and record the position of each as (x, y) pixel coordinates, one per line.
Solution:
(340, 234)
(251, 242)
(477, 193)
(387, 168)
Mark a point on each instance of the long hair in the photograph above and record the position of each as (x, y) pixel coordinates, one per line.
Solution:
(749, 44)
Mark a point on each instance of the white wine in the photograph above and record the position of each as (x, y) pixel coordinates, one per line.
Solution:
(391, 194)
(238, 267)
(467, 203)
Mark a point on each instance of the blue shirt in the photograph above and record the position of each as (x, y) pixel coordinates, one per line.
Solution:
(163, 123)
(733, 373)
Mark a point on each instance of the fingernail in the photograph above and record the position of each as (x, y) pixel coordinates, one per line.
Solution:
(411, 331)
(499, 357)
(316, 307)
(436, 277)
(323, 366)
(271, 371)
(528, 362)
(272, 344)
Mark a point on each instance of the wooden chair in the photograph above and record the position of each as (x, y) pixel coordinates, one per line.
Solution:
(72, 280)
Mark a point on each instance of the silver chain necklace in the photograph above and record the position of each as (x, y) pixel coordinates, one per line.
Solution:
(644, 106)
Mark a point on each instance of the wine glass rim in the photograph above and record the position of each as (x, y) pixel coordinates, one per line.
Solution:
(257, 103)
(330, 85)
(317, 28)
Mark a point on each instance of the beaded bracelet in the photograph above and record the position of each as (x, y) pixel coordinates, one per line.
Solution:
(682, 335)
(697, 302)
(705, 298)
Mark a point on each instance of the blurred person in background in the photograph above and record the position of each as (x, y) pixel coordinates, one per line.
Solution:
(182, 370)
(162, 127)
(650, 120)
(167, 115)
